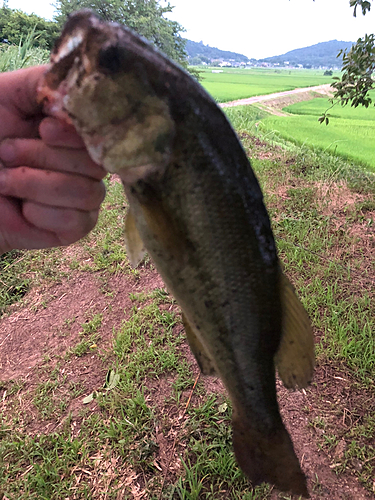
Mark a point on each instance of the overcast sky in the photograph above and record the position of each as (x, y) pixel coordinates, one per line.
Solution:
(256, 28)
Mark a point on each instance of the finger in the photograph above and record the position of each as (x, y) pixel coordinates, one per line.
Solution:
(21, 112)
(54, 132)
(34, 153)
(52, 188)
(17, 232)
(21, 90)
(11, 125)
(69, 225)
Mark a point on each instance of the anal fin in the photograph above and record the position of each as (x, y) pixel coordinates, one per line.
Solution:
(134, 244)
(295, 358)
(203, 359)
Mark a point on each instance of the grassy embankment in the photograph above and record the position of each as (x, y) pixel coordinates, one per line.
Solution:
(350, 133)
(234, 83)
(137, 436)
(308, 235)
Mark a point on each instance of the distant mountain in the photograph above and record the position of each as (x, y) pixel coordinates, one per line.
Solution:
(208, 54)
(320, 54)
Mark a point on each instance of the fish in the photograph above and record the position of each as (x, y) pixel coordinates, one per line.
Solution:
(196, 207)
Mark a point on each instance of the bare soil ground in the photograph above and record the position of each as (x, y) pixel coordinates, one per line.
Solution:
(29, 334)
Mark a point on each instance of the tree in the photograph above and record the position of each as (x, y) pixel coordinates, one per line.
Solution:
(195, 61)
(15, 24)
(146, 17)
(358, 67)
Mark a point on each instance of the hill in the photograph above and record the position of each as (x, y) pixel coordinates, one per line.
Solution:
(208, 54)
(320, 54)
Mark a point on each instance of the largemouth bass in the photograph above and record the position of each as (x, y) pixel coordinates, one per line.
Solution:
(197, 208)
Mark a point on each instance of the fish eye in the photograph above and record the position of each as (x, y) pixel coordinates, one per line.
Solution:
(111, 59)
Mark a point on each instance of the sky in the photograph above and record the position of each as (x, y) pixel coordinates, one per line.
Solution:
(255, 28)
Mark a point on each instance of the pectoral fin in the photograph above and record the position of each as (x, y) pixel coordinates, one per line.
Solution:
(203, 359)
(133, 241)
(295, 358)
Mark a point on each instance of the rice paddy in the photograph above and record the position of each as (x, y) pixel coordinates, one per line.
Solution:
(350, 133)
(235, 83)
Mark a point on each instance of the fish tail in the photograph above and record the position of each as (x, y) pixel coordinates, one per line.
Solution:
(268, 457)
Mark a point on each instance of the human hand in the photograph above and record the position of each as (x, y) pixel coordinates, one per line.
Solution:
(50, 189)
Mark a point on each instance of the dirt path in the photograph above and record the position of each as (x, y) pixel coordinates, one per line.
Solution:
(279, 100)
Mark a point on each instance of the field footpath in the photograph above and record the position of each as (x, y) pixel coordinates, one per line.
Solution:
(279, 100)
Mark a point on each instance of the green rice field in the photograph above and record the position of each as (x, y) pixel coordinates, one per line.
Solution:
(239, 83)
(350, 133)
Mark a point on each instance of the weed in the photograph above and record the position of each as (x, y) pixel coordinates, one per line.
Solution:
(43, 398)
(83, 347)
(92, 325)
(13, 286)
(16, 57)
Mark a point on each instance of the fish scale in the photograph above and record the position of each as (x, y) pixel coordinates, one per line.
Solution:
(197, 208)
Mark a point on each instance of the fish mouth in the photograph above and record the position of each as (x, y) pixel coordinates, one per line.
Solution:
(87, 45)
(98, 81)
(68, 63)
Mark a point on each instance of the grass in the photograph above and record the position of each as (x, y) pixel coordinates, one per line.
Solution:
(333, 283)
(53, 446)
(234, 84)
(245, 118)
(13, 285)
(89, 336)
(15, 57)
(119, 440)
(350, 133)
(113, 446)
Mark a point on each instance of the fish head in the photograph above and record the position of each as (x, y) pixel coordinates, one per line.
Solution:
(104, 80)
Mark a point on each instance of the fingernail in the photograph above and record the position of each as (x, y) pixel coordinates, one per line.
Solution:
(7, 151)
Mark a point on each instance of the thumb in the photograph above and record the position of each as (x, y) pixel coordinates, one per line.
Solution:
(19, 90)
(20, 110)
